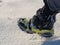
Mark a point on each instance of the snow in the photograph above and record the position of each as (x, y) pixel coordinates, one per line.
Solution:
(11, 34)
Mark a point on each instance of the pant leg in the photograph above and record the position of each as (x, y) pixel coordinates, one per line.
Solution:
(44, 18)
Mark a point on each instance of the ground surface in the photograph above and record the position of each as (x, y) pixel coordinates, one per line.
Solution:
(11, 34)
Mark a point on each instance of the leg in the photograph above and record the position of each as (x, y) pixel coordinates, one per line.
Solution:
(44, 20)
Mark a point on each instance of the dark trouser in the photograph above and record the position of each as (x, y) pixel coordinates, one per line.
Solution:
(44, 18)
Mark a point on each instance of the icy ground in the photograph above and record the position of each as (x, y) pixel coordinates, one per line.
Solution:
(10, 33)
